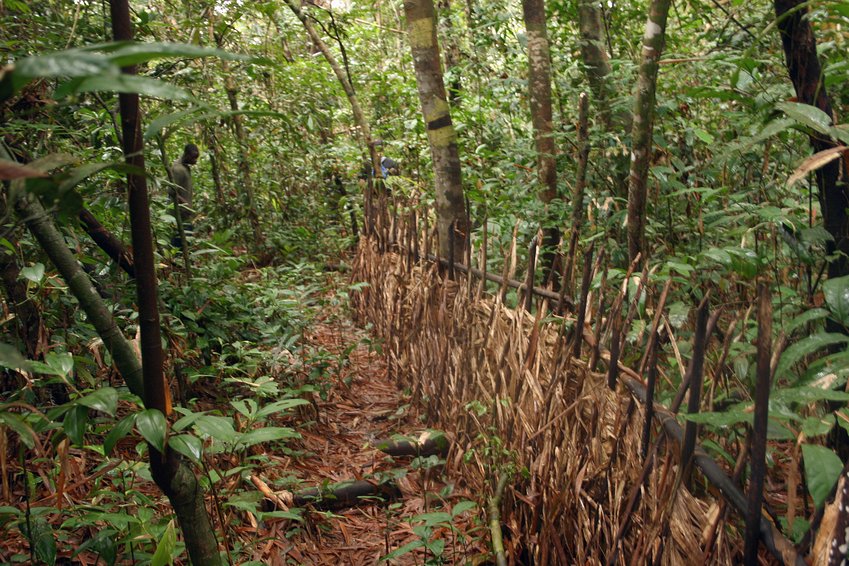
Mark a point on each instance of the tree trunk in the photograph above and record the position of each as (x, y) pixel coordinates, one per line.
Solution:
(107, 242)
(644, 102)
(800, 52)
(452, 52)
(356, 109)
(170, 474)
(27, 318)
(244, 156)
(597, 66)
(539, 90)
(450, 202)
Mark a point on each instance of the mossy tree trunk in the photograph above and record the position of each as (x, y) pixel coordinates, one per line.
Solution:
(641, 134)
(450, 203)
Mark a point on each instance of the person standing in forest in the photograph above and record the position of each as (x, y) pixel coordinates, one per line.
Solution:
(181, 191)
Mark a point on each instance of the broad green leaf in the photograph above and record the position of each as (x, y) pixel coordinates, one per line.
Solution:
(34, 273)
(153, 427)
(126, 54)
(74, 424)
(462, 507)
(11, 358)
(806, 347)
(43, 539)
(123, 84)
(165, 547)
(807, 394)
(805, 318)
(83, 172)
(837, 298)
(267, 434)
(822, 468)
(104, 399)
(817, 426)
(218, 428)
(121, 429)
(17, 424)
(189, 446)
(166, 120)
(280, 406)
(402, 550)
(432, 519)
(807, 115)
(721, 419)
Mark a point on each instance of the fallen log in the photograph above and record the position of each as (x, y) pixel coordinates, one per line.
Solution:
(346, 494)
(330, 497)
(428, 444)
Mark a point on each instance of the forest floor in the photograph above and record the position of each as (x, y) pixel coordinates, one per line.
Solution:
(362, 406)
(432, 522)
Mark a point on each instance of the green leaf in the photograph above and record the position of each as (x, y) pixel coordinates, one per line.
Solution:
(804, 318)
(17, 424)
(42, 539)
(34, 273)
(189, 446)
(806, 347)
(166, 120)
(807, 115)
(11, 358)
(808, 394)
(218, 428)
(124, 84)
(153, 427)
(817, 426)
(280, 406)
(83, 172)
(433, 519)
(822, 468)
(104, 399)
(402, 550)
(836, 293)
(728, 418)
(119, 431)
(74, 424)
(134, 53)
(267, 434)
(165, 547)
(462, 507)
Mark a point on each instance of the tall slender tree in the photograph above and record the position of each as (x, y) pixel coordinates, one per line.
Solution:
(641, 134)
(359, 116)
(806, 73)
(167, 468)
(539, 90)
(450, 202)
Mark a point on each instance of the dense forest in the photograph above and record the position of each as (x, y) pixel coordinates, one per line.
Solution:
(424, 282)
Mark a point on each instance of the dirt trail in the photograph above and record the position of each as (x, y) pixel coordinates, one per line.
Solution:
(362, 406)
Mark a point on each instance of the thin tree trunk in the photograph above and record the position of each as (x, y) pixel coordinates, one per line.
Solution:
(644, 102)
(107, 242)
(245, 173)
(450, 202)
(27, 317)
(597, 66)
(356, 109)
(800, 51)
(452, 52)
(176, 480)
(539, 89)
